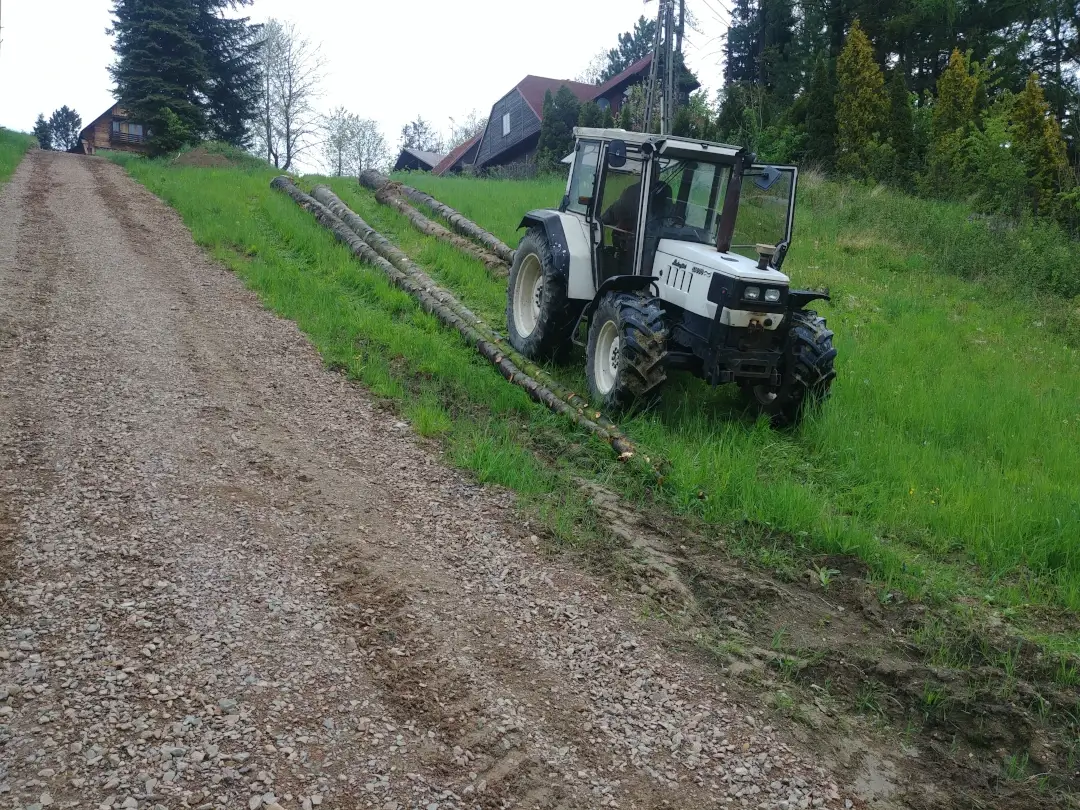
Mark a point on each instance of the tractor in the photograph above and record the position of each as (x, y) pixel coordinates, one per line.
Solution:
(667, 253)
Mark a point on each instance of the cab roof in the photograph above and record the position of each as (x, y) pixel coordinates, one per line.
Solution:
(664, 144)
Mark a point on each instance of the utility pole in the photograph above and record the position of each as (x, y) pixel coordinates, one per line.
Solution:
(662, 90)
(681, 28)
(652, 90)
(670, 101)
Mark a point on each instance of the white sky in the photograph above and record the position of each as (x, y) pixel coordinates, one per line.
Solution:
(385, 60)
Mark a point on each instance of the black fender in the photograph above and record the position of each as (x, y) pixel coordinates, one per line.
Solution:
(551, 223)
(798, 299)
(613, 284)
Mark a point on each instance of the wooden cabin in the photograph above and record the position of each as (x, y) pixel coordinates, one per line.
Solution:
(513, 128)
(417, 160)
(113, 129)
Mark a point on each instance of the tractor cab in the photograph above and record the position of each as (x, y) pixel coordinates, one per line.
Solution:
(634, 191)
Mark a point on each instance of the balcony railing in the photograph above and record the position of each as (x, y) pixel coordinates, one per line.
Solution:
(126, 137)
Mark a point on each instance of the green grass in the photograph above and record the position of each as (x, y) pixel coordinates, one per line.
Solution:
(13, 145)
(945, 459)
(946, 456)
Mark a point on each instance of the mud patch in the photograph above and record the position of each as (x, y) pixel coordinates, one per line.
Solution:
(923, 712)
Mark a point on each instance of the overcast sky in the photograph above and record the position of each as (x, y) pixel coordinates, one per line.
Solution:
(390, 61)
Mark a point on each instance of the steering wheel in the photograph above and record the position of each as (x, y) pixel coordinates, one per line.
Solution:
(672, 220)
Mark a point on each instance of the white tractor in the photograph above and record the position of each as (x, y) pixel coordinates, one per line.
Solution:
(670, 250)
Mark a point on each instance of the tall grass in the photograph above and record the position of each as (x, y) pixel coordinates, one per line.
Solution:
(946, 458)
(953, 434)
(13, 145)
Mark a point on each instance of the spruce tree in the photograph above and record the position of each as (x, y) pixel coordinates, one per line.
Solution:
(191, 57)
(821, 114)
(161, 70)
(43, 132)
(633, 45)
(860, 103)
(231, 51)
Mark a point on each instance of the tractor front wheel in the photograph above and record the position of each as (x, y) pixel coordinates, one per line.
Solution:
(627, 349)
(539, 313)
(807, 375)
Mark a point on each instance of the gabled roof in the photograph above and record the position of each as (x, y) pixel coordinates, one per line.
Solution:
(533, 89)
(457, 153)
(632, 72)
(431, 159)
(113, 112)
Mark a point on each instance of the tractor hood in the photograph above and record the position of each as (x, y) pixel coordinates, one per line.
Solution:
(699, 257)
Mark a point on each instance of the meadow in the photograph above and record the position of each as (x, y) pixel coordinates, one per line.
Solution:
(13, 145)
(945, 458)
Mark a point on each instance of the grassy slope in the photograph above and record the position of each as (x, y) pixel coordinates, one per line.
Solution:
(944, 459)
(952, 435)
(13, 145)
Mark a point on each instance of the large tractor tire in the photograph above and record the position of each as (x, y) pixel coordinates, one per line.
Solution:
(539, 314)
(627, 350)
(808, 372)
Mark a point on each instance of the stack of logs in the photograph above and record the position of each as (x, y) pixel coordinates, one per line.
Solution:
(370, 246)
(495, 255)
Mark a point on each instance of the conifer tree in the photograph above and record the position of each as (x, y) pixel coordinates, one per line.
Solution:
(901, 127)
(160, 73)
(193, 58)
(821, 114)
(561, 113)
(64, 126)
(860, 103)
(43, 132)
(953, 112)
(231, 50)
(955, 105)
(1036, 137)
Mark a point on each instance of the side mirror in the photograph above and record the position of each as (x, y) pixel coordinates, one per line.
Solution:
(616, 154)
(766, 177)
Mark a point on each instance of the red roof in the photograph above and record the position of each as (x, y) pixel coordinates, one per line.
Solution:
(533, 89)
(448, 162)
(618, 79)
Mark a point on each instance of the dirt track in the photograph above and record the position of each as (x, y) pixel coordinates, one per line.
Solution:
(230, 581)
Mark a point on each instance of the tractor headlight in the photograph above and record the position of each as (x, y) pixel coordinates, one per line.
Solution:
(752, 293)
(772, 295)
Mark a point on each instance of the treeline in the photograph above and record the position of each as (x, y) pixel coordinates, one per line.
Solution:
(59, 131)
(977, 101)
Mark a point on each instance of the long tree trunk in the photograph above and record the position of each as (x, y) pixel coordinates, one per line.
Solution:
(385, 248)
(376, 181)
(447, 309)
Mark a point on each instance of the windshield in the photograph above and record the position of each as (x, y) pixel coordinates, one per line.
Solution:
(766, 203)
(686, 205)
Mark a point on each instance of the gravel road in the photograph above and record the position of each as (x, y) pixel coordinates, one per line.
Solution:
(231, 581)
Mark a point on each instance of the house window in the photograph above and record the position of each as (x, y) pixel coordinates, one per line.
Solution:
(127, 131)
(506, 125)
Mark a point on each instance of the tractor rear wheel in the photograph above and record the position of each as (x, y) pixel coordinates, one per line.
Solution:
(539, 313)
(627, 350)
(808, 372)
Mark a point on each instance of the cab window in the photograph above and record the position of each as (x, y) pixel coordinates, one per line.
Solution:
(583, 179)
